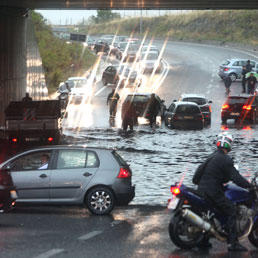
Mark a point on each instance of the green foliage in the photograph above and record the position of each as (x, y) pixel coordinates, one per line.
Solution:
(104, 16)
(238, 26)
(60, 60)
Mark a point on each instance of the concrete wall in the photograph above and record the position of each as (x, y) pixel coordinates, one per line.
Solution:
(20, 62)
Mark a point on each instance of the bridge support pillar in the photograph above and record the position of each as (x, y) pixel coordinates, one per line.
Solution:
(13, 56)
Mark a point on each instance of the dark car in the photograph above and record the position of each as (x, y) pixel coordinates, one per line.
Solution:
(202, 102)
(184, 115)
(122, 75)
(140, 104)
(97, 178)
(101, 45)
(241, 107)
(8, 193)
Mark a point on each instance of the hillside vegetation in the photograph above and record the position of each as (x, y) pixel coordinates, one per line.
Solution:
(60, 60)
(239, 26)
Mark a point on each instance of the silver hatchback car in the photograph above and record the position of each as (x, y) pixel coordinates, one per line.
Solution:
(233, 68)
(96, 177)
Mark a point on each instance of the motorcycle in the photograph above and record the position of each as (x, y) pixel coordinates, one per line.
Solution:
(194, 219)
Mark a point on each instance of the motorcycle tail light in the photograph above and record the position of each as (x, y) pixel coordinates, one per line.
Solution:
(175, 190)
(247, 107)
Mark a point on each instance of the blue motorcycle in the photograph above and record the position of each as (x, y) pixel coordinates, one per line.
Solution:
(193, 217)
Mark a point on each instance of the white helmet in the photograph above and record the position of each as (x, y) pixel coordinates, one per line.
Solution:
(224, 141)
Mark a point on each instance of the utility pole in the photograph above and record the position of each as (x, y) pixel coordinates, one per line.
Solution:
(141, 22)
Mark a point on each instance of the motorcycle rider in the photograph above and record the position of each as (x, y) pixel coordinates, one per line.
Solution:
(218, 171)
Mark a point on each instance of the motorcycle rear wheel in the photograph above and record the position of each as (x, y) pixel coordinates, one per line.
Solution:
(179, 232)
(253, 236)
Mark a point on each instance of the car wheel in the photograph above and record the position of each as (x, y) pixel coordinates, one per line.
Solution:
(232, 76)
(104, 81)
(100, 201)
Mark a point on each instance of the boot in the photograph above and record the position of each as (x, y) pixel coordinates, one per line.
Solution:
(236, 247)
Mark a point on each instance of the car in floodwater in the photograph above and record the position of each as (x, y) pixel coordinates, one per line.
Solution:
(240, 108)
(150, 61)
(202, 102)
(184, 115)
(97, 178)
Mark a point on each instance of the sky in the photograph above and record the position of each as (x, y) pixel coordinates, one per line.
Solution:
(67, 17)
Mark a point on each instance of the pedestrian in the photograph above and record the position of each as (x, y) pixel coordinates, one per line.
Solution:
(219, 169)
(251, 81)
(153, 108)
(244, 72)
(249, 67)
(112, 100)
(128, 115)
(227, 83)
(27, 97)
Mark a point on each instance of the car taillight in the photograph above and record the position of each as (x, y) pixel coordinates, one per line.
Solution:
(124, 173)
(175, 190)
(50, 139)
(14, 140)
(210, 109)
(225, 106)
(247, 107)
(226, 69)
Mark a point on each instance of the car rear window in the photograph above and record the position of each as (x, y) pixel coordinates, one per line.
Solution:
(138, 98)
(237, 100)
(187, 109)
(227, 62)
(119, 159)
(198, 101)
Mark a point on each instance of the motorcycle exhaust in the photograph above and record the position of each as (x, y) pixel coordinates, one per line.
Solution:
(201, 223)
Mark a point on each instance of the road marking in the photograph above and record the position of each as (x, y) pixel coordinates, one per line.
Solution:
(98, 92)
(50, 253)
(90, 235)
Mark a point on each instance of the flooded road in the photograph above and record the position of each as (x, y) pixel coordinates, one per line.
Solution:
(162, 157)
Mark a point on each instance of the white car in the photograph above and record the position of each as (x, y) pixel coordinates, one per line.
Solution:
(149, 49)
(150, 61)
(80, 89)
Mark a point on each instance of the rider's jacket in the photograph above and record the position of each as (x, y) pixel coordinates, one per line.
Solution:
(218, 171)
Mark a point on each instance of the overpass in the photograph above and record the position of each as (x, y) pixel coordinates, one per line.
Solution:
(20, 63)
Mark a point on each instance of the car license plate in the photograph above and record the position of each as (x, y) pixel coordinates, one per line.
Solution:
(173, 203)
(188, 117)
(32, 139)
(14, 194)
(234, 114)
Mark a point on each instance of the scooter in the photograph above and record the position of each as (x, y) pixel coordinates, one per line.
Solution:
(193, 217)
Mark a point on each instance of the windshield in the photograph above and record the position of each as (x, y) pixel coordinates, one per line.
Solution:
(137, 98)
(150, 56)
(77, 83)
(187, 110)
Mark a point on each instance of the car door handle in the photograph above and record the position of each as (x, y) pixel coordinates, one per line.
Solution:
(43, 176)
(87, 174)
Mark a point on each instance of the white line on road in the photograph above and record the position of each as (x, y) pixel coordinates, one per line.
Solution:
(90, 235)
(98, 92)
(50, 253)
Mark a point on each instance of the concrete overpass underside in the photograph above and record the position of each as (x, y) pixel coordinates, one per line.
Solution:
(132, 4)
(20, 64)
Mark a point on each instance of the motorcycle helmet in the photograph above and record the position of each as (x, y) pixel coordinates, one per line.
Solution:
(224, 141)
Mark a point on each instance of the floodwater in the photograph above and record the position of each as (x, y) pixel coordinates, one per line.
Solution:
(164, 156)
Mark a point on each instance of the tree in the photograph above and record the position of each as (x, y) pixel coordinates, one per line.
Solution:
(104, 16)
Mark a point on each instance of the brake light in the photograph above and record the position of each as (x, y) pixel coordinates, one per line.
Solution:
(210, 109)
(50, 139)
(175, 190)
(124, 173)
(225, 106)
(226, 69)
(14, 140)
(247, 107)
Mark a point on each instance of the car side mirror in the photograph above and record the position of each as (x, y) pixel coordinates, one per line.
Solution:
(174, 100)
(210, 101)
